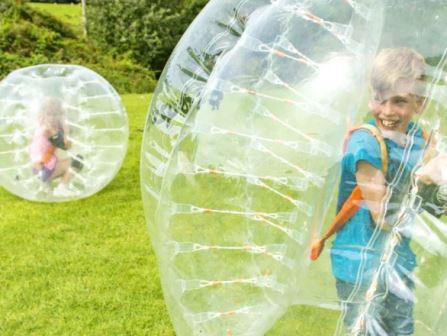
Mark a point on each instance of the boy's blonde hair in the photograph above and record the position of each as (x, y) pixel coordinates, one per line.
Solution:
(395, 65)
(51, 113)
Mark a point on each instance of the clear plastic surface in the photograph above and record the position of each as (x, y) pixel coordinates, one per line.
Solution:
(63, 132)
(272, 148)
(238, 191)
(214, 32)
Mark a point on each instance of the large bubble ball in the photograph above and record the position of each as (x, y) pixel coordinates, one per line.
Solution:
(233, 197)
(253, 149)
(63, 132)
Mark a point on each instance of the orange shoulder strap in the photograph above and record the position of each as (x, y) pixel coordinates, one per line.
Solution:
(353, 202)
(378, 136)
(355, 199)
(48, 155)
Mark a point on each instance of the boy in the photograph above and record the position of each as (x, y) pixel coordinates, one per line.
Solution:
(373, 285)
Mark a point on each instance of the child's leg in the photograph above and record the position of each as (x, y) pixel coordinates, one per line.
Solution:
(62, 169)
(398, 314)
(43, 173)
(351, 305)
(66, 167)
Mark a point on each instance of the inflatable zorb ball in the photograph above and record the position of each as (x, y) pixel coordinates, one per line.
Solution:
(63, 132)
(251, 168)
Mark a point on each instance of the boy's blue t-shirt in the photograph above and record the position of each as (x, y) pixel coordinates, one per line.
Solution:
(359, 242)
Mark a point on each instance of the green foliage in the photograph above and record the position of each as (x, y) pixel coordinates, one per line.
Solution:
(29, 36)
(148, 29)
(19, 11)
(237, 29)
(174, 102)
(126, 76)
(57, 1)
(10, 62)
(27, 39)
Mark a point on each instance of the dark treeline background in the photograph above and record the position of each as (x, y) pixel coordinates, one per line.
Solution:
(128, 41)
(147, 30)
(59, 1)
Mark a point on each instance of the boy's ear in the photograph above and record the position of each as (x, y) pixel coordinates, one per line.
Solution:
(373, 105)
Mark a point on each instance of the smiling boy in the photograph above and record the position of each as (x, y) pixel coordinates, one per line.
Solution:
(397, 96)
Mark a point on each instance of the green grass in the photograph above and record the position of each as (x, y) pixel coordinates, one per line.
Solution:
(67, 13)
(87, 267)
(84, 267)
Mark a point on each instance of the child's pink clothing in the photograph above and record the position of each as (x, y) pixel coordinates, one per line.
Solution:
(39, 146)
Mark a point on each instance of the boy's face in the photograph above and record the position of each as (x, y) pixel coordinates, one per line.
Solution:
(394, 109)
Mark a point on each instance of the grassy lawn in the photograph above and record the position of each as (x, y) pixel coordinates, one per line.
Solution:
(83, 267)
(88, 268)
(68, 13)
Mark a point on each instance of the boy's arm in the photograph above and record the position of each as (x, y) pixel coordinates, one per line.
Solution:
(362, 155)
(373, 187)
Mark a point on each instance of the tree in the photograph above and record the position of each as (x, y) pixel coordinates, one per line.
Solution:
(84, 16)
(146, 30)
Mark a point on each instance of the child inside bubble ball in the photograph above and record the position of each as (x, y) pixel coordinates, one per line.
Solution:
(375, 288)
(51, 133)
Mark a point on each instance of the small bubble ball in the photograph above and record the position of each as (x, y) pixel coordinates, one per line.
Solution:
(63, 132)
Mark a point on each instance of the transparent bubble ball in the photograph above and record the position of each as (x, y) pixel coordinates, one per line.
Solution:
(240, 155)
(63, 132)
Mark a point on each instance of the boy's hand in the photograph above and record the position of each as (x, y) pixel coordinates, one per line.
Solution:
(316, 249)
(435, 171)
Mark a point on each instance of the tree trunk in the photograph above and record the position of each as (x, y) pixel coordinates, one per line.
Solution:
(84, 16)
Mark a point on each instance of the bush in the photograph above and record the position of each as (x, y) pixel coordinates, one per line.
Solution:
(58, 1)
(123, 74)
(29, 37)
(10, 62)
(127, 77)
(147, 29)
(18, 12)
(26, 39)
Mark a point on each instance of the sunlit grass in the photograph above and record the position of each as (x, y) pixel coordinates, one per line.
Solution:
(68, 13)
(84, 267)
(87, 267)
